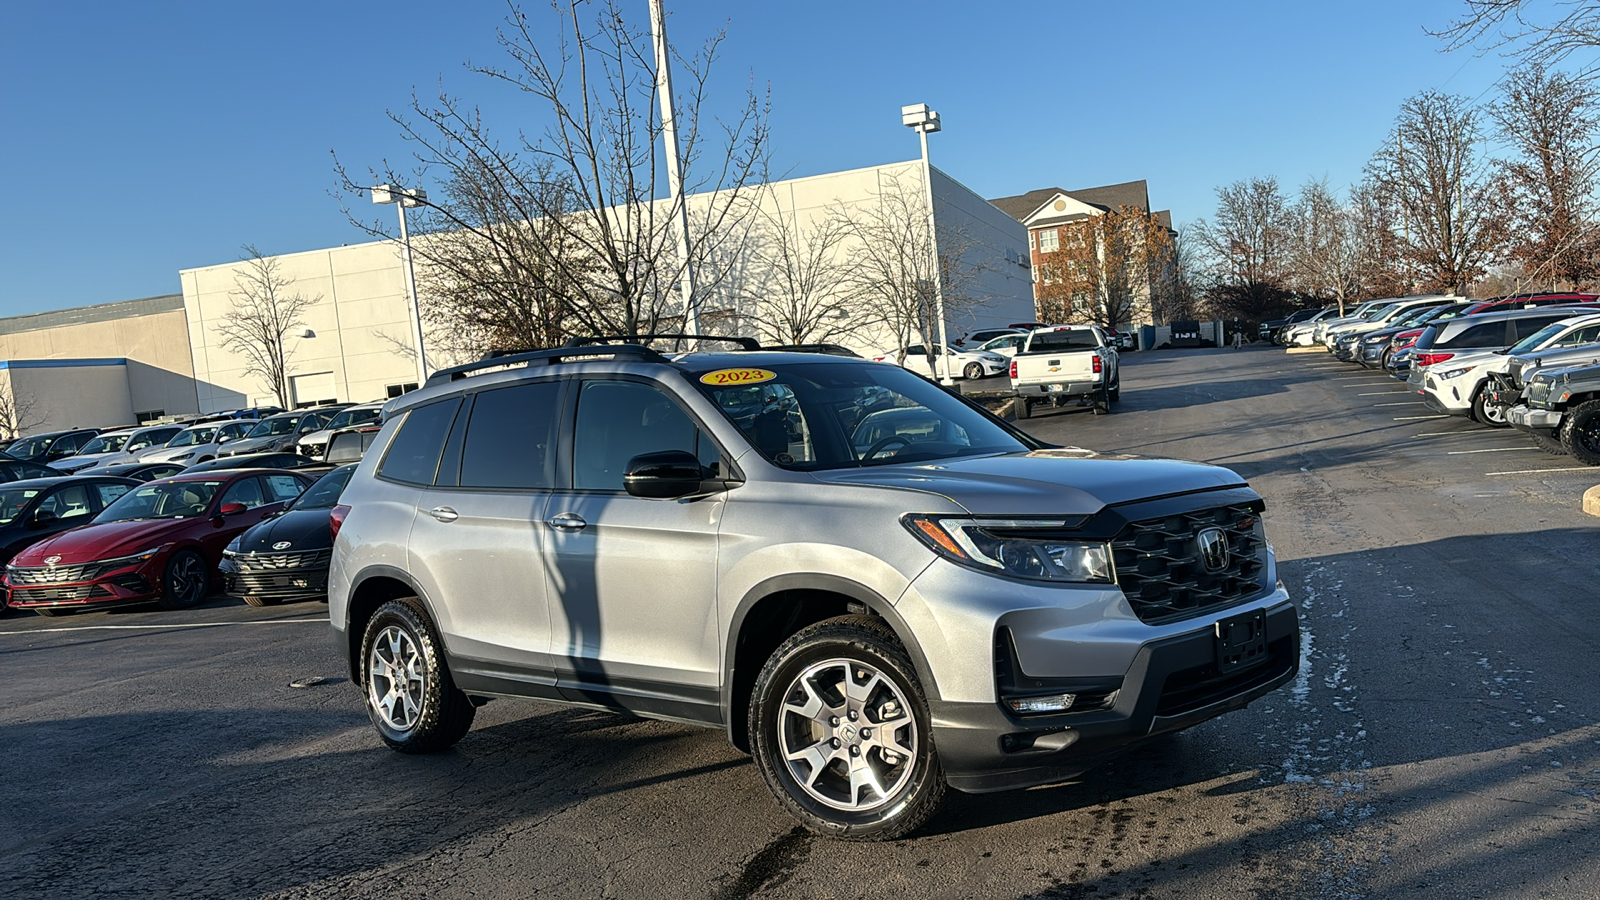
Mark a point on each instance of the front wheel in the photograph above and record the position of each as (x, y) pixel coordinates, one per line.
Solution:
(841, 732)
(1580, 432)
(1022, 408)
(411, 698)
(186, 580)
(1490, 414)
(973, 371)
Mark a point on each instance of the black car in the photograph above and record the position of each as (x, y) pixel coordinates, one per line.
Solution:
(286, 557)
(142, 471)
(52, 445)
(281, 460)
(17, 470)
(36, 508)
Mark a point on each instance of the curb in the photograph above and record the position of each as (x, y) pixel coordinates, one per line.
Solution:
(1311, 349)
(1591, 501)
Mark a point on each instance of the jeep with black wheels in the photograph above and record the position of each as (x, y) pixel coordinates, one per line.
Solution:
(874, 586)
(1561, 408)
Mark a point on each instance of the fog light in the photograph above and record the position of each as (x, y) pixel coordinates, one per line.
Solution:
(1046, 704)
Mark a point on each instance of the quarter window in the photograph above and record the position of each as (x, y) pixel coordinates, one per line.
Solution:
(618, 420)
(413, 455)
(508, 437)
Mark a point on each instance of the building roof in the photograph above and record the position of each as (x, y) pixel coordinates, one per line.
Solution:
(102, 312)
(1129, 193)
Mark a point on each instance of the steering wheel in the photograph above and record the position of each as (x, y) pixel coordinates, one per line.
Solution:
(877, 448)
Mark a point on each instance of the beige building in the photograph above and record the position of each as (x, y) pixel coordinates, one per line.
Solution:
(357, 345)
(96, 366)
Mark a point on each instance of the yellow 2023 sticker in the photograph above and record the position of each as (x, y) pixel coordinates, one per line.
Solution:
(737, 376)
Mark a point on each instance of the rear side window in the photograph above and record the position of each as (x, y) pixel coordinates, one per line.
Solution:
(1532, 324)
(413, 455)
(509, 436)
(1484, 334)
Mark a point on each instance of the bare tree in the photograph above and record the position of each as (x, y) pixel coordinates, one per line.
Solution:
(1105, 268)
(1450, 205)
(891, 265)
(566, 227)
(1541, 34)
(19, 413)
(1550, 120)
(265, 314)
(1323, 244)
(1249, 249)
(1180, 281)
(802, 293)
(1376, 228)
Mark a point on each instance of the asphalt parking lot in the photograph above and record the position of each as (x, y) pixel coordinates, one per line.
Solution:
(1440, 740)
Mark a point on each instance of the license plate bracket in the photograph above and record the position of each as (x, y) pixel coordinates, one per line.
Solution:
(1241, 641)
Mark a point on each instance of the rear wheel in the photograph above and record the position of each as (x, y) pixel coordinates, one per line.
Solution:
(841, 733)
(186, 580)
(1022, 408)
(1487, 413)
(1580, 432)
(411, 698)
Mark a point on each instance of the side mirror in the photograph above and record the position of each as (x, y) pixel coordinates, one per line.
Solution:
(233, 509)
(666, 475)
(43, 518)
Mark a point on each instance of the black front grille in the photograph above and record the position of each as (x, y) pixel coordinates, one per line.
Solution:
(1159, 565)
(273, 562)
(58, 594)
(280, 585)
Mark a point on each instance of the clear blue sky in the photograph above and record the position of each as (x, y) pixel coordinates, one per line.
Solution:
(142, 138)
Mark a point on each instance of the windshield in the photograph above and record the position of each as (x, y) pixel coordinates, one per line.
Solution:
(13, 502)
(1533, 341)
(148, 439)
(193, 436)
(1415, 316)
(27, 447)
(349, 417)
(273, 426)
(107, 443)
(325, 493)
(819, 416)
(165, 500)
(1377, 312)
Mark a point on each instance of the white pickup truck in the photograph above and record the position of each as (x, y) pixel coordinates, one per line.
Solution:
(1065, 361)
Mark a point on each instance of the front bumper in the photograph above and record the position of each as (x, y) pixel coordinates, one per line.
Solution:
(1526, 418)
(140, 583)
(276, 584)
(1431, 398)
(1173, 683)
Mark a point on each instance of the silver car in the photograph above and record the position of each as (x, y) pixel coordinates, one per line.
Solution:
(872, 585)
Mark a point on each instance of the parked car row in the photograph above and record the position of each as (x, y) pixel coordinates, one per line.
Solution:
(1531, 361)
(258, 526)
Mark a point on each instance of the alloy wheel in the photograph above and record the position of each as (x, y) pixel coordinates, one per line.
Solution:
(395, 678)
(189, 578)
(847, 734)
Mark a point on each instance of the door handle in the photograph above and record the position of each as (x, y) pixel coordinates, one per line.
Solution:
(444, 514)
(566, 522)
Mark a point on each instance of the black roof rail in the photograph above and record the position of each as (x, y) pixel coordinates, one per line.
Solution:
(531, 358)
(744, 343)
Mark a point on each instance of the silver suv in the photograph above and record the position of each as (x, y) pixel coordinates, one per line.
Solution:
(874, 586)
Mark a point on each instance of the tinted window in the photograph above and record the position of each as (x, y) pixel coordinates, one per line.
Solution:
(1526, 327)
(618, 420)
(508, 437)
(109, 493)
(1484, 334)
(246, 491)
(282, 487)
(1057, 341)
(414, 453)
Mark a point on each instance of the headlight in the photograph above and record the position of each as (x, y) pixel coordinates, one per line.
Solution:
(1014, 547)
(184, 456)
(1455, 373)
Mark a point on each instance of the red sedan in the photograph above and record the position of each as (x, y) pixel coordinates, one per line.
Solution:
(159, 542)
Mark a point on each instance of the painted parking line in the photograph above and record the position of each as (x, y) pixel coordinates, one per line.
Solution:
(1415, 418)
(1489, 450)
(1382, 393)
(1446, 433)
(1588, 469)
(323, 620)
(1401, 403)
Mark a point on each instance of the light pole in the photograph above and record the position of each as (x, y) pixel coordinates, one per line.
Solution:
(669, 135)
(388, 193)
(925, 121)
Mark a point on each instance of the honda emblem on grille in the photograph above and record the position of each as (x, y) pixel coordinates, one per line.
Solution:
(281, 545)
(1213, 546)
(51, 560)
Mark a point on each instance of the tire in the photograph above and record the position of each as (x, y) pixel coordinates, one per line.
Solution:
(427, 713)
(1580, 432)
(1022, 408)
(1102, 405)
(186, 581)
(1486, 413)
(1115, 394)
(854, 784)
(1548, 443)
(973, 371)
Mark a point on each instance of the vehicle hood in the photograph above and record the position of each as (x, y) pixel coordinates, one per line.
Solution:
(256, 445)
(1044, 482)
(83, 460)
(301, 529)
(106, 541)
(316, 437)
(171, 454)
(1563, 357)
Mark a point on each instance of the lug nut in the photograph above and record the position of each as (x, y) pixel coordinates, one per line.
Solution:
(834, 721)
(835, 743)
(866, 734)
(855, 751)
(853, 715)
